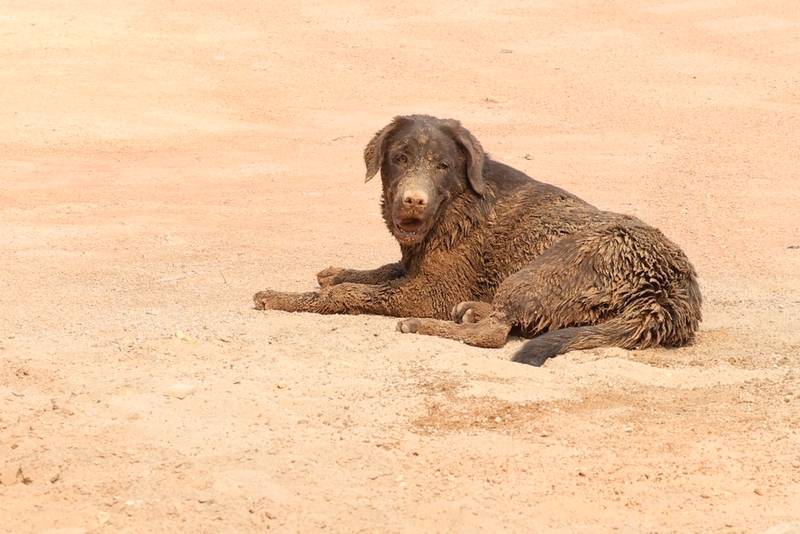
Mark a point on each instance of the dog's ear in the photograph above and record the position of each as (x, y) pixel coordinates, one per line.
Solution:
(474, 153)
(376, 148)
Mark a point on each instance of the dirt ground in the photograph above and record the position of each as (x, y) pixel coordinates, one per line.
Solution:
(160, 162)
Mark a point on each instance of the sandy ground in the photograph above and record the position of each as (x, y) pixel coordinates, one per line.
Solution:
(160, 163)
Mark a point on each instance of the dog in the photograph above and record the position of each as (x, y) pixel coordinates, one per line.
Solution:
(487, 250)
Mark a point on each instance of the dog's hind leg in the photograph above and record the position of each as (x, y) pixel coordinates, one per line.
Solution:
(471, 311)
(622, 285)
(490, 332)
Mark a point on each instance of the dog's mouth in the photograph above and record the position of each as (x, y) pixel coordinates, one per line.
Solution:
(409, 228)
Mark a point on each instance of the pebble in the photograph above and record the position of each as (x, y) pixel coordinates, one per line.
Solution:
(9, 475)
(103, 517)
(182, 336)
(179, 391)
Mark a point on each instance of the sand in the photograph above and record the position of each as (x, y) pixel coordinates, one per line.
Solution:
(159, 163)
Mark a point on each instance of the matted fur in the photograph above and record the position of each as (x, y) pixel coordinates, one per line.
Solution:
(501, 251)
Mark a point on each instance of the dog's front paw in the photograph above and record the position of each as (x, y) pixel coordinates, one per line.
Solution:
(409, 326)
(267, 300)
(327, 277)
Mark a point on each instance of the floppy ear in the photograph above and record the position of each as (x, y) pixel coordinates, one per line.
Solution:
(474, 153)
(375, 149)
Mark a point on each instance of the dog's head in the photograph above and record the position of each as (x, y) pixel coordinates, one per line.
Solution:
(424, 162)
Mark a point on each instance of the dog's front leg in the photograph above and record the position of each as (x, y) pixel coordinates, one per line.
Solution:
(335, 275)
(399, 298)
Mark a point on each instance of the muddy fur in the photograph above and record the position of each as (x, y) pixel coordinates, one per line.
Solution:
(487, 250)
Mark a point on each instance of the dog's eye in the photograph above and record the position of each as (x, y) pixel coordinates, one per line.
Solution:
(400, 159)
(442, 166)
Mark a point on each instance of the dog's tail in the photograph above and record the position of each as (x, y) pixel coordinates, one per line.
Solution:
(615, 332)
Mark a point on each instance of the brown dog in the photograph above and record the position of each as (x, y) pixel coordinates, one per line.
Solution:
(492, 249)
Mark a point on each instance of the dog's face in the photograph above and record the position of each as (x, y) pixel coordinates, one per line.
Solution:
(424, 163)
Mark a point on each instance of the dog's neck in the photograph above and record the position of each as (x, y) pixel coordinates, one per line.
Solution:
(460, 218)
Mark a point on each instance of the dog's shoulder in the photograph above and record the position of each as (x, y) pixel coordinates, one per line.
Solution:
(508, 182)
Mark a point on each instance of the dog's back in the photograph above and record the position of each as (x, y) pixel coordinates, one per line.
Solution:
(523, 219)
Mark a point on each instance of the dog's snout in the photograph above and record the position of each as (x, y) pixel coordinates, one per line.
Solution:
(415, 198)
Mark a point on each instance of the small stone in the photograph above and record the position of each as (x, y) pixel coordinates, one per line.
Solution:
(22, 477)
(179, 391)
(183, 336)
(103, 517)
(758, 491)
(8, 475)
(498, 419)
(56, 406)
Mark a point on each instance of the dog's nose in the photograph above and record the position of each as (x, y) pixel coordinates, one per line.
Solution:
(415, 198)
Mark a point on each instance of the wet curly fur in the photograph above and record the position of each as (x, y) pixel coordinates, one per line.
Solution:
(486, 249)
